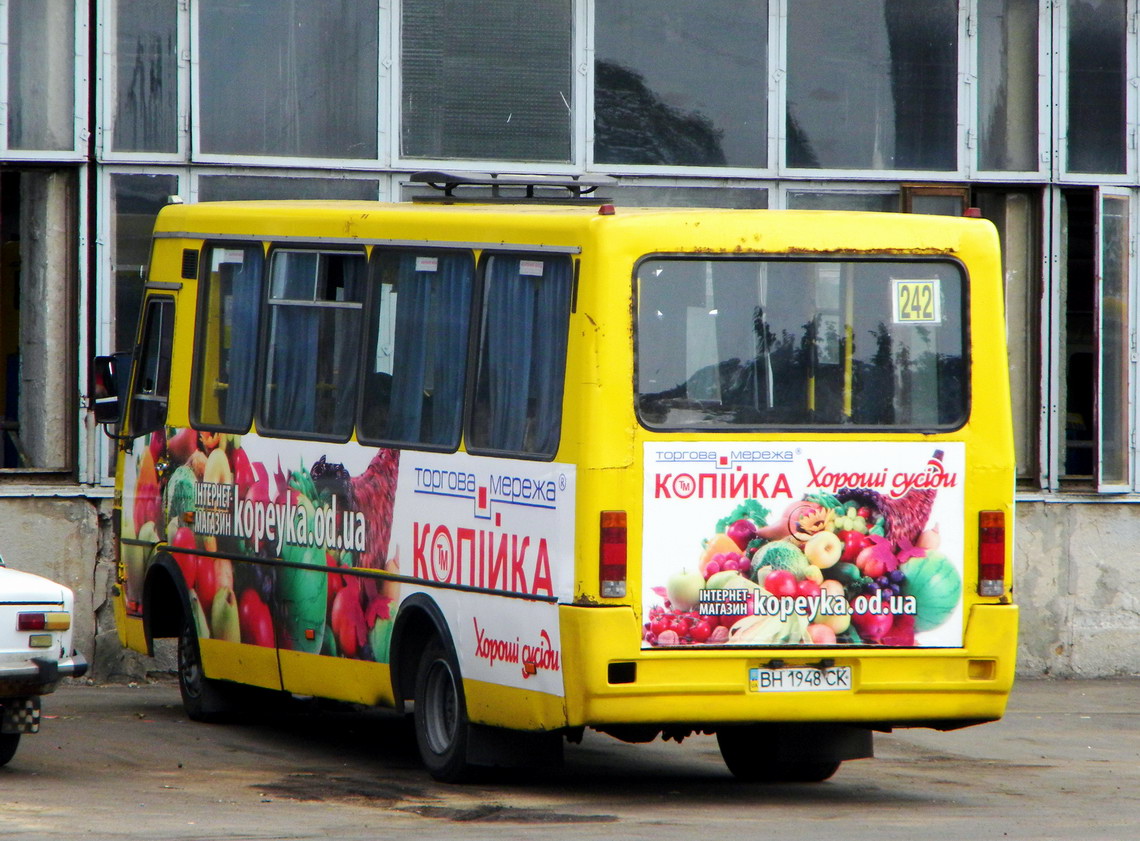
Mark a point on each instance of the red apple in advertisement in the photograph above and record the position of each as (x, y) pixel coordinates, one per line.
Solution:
(206, 583)
(347, 620)
(188, 563)
(255, 619)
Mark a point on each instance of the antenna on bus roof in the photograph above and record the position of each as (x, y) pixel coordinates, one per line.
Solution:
(492, 187)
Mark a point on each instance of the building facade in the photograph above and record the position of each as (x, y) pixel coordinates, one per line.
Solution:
(1026, 109)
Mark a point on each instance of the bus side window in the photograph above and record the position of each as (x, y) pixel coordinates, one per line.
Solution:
(315, 304)
(152, 369)
(229, 312)
(416, 362)
(522, 355)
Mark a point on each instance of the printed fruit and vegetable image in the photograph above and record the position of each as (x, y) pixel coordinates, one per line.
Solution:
(853, 567)
(204, 492)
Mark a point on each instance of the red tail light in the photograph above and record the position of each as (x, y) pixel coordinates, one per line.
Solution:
(612, 555)
(53, 621)
(991, 553)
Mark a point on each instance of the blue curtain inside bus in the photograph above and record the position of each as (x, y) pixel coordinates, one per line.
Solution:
(432, 317)
(315, 310)
(523, 354)
(242, 288)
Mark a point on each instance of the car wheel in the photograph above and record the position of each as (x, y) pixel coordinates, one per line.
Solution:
(746, 752)
(202, 698)
(442, 731)
(8, 744)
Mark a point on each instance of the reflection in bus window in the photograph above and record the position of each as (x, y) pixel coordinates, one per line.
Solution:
(522, 355)
(315, 303)
(230, 309)
(417, 348)
(748, 343)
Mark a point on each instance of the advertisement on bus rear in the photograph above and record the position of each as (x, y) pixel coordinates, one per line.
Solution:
(802, 544)
(346, 533)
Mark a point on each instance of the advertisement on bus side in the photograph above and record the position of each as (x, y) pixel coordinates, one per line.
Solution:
(804, 543)
(496, 533)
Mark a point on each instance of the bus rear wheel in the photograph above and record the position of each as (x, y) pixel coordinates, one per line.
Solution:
(442, 727)
(753, 756)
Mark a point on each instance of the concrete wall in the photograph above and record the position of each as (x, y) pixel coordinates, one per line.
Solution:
(1078, 584)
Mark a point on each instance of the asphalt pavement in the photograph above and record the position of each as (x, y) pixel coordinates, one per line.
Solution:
(123, 762)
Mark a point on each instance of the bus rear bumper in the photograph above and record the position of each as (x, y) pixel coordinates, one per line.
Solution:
(610, 680)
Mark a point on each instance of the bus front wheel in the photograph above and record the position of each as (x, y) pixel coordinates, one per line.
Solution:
(442, 728)
(202, 698)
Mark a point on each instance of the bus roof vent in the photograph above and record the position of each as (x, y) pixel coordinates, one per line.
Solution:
(484, 188)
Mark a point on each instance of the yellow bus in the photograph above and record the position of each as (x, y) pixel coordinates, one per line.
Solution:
(523, 468)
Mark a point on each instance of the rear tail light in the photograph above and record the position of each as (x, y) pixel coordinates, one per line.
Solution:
(612, 555)
(45, 621)
(991, 553)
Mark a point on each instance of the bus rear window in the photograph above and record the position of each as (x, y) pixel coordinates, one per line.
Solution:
(741, 343)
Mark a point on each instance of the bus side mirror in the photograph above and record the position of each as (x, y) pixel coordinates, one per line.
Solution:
(111, 373)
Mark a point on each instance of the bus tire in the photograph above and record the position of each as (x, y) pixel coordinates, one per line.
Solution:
(442, 727)
(748, 755)
(203, 699)
(8, 744)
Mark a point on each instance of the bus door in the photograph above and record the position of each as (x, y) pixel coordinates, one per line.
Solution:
(141, 524)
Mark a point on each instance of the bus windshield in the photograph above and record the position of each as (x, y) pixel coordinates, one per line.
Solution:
(736, 343)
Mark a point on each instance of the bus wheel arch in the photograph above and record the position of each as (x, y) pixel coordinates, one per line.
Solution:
(165, 601)
(418, 620)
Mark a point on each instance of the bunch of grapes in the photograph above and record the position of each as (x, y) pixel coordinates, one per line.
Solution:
(889, 584)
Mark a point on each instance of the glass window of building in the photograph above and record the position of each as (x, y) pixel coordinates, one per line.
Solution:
(1097, 88)
(1007, 85)
(41, 74)
(1095, 344)
(881, 202)
(305, 86)
(145, 76)
(681, 84)
(38, 342)
(1015, 213)
(487, 79)
(268, 187)
(878, 92)
(136, 200)
(652, 195)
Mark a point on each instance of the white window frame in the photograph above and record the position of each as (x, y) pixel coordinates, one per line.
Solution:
(1129, 384)
(972, 116)
(195, 174)
(1060, 29)
(80, 132)
(774, 94)
(384, 64)
(965, 118)
(96, 449)
(581, 106)
(107, 37)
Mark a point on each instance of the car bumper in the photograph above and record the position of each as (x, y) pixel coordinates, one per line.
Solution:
(38, 676)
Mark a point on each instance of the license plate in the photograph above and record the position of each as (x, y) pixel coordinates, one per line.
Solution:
(800, 679)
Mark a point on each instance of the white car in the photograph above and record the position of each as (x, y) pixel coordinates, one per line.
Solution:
(35, 650)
